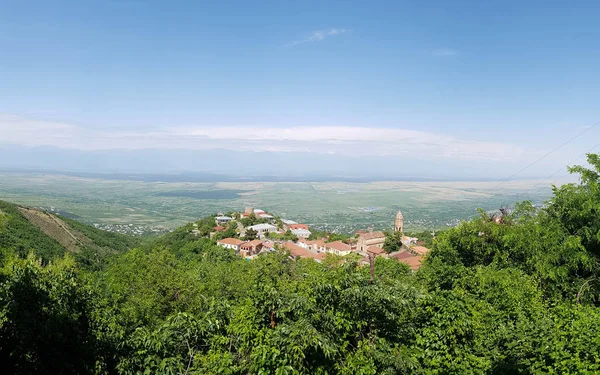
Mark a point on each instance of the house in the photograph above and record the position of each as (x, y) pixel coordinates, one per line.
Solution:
(269, 245)
(301, 233)
(303, 243)
(219, 228)
(223, 220)
(230, 243)
(299, 252)
(369, 239)
(414, 261)
(376, 251)
(299, 230)
(251, 248)
(419, 250)
(317, 245)
(270, 218)
(261, 229)
(338, 248)
(293, 227)
(287, 223)
(258, 212)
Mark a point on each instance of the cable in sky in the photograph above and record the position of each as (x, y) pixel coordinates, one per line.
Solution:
(549, 153)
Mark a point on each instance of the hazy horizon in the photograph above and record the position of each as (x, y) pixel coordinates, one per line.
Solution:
(442, 91)
(225, 165)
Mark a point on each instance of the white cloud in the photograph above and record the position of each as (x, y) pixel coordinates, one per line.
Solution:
(318, 36)
(444, 52)
(338, 140)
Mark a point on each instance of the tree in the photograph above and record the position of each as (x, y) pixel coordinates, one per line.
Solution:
(393, 242)
(46, 319)
(250, 234)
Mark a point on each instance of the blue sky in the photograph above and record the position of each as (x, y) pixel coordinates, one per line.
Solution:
(497, 84)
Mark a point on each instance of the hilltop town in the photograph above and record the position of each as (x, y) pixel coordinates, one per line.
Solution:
(254, 232)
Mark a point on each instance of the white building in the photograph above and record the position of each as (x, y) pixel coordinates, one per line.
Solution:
(301, 233)
(268, 217)
(231, 243)
(261, 229)
(338, 248)
(303, 243)
(223, 219)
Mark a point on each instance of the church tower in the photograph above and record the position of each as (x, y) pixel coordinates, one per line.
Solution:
(399, 223)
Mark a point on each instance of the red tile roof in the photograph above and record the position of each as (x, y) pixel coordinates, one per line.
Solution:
(414, 261)
(421, 250)
(338, 245)
(401, 255)
(252, 244)
(319, 243)
(231, 241)
(297, 226)
(375, 250)
(297, 251)
(219, 228)
(371, 235)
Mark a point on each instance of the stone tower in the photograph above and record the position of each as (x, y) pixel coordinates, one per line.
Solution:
(399, 223)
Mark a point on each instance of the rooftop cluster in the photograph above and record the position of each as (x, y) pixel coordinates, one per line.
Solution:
(254, 231)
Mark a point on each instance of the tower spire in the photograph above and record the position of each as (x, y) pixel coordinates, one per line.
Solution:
(399, 222)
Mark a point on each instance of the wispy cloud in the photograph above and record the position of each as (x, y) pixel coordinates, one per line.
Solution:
(318, 36)
(341, 140)
(444, 52)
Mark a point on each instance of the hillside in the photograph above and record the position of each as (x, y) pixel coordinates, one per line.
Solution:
(23, 229)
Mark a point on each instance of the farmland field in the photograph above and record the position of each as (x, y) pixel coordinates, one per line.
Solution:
(339, 206)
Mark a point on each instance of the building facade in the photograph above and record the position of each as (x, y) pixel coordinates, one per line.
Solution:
(230, 243)
(369, 239)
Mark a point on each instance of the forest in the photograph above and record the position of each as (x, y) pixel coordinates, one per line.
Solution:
(517, 293)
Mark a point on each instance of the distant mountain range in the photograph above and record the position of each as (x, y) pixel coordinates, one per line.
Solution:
(226, 165)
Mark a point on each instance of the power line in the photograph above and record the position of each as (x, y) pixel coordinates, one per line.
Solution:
(541, 158)
(550, 152)
(571, 162)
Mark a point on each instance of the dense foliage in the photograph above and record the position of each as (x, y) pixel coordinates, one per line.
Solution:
(516, 295)
(19, 235)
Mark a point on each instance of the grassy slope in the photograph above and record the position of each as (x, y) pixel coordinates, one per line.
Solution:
(24, 229)
(18, 234)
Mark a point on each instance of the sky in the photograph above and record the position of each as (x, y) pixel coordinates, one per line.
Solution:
(397, 88)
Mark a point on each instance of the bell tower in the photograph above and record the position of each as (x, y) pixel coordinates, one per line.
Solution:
(399, 222)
